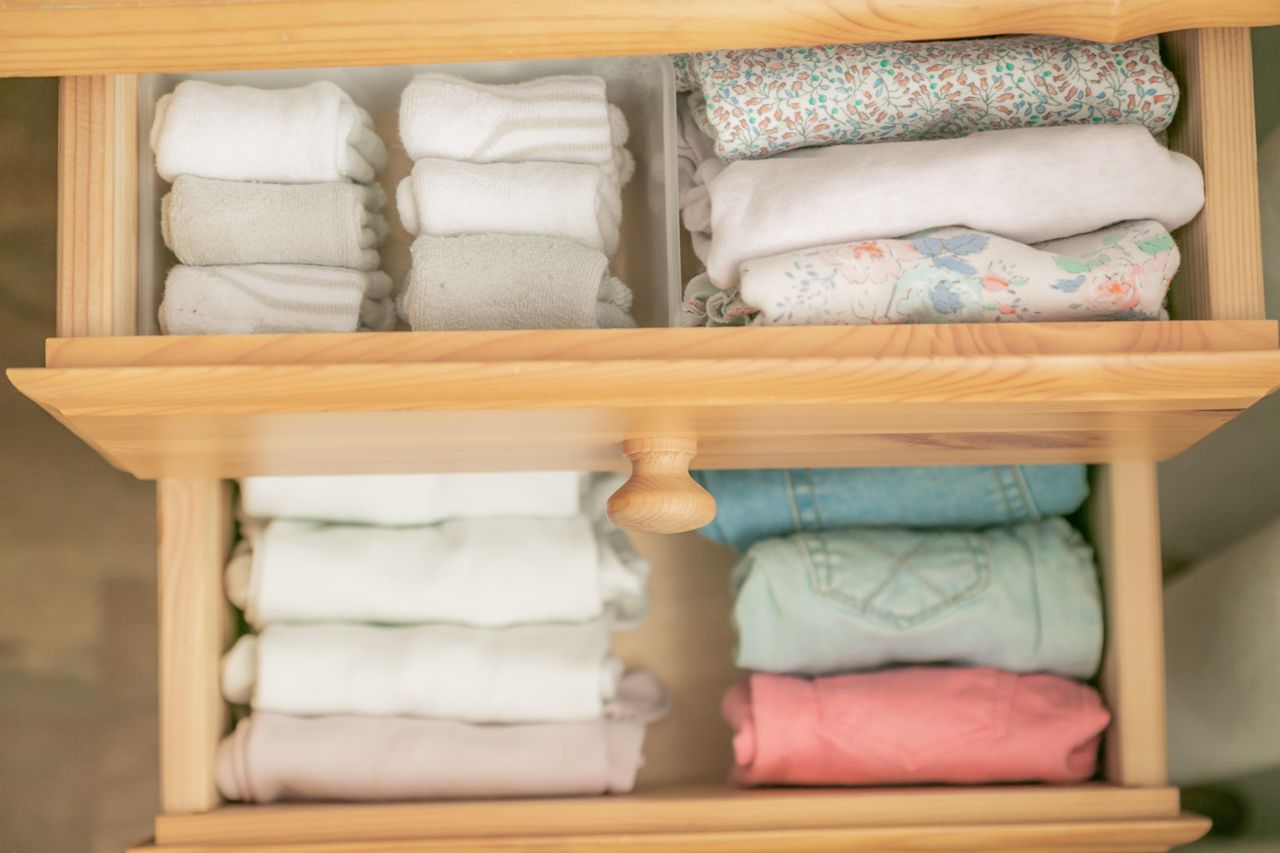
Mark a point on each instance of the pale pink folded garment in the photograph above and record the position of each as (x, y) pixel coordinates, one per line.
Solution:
(914, 725)
(272, 757)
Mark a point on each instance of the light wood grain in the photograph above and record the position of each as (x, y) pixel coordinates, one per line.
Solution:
(1221, 273)
(717, 809)
(957, 339)
(1132, 836)
(97, 206)
(39, 38)
(194, 525)
(660, 496)
(522, 415)
(1126, 521)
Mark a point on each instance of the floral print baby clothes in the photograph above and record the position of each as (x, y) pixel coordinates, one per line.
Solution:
(755, 103)
(958, 275)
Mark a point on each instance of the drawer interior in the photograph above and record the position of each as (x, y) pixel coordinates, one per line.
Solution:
(688, 641)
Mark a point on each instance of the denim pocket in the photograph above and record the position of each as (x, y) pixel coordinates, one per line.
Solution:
(897, 578)
(915, 717)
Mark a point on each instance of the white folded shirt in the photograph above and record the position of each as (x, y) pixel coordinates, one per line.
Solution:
(487, 572)
(530, 673)
(412, 499)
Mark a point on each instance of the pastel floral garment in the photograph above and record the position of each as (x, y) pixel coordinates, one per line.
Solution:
(958, 275)
(707, 305)
(755, 103)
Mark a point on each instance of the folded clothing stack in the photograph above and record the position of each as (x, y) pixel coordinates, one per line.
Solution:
(911, 625)
(462, 650)
(515, 201)
(273, 212)
(1013, 179)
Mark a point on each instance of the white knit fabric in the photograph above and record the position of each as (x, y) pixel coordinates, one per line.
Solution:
(487, 572)
(530, 673)
(580, 202)
(1029, 185)
(253, 298)
(410, 499)
(238, 133)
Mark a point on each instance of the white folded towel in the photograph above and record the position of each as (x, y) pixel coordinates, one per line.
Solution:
(563, 119)
(336, 223)
(487, 572)
(1030, 185)
(254, 298)
(503, 281)
(410, 499)
(525, 674)
(238, 133)
(574, 201)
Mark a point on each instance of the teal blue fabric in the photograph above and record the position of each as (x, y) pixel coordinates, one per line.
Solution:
(762, 503)
(1023, 598)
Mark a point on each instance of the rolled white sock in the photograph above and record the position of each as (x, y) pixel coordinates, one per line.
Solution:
(309, 134)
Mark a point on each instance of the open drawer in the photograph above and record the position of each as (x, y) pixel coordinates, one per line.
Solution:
(226, 406)
(682, 801)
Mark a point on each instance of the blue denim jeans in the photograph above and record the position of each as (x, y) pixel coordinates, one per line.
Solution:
(763, 503)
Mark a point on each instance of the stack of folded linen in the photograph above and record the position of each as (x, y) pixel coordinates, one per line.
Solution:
(911, 625)
(432, 636)
(515, 201)
(273, 213)
(1012, 179)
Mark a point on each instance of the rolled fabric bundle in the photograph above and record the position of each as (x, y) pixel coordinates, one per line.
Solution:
(310, 134)
(487, 572)
(912, 726)
(523, 674)
(1022, 598)
(394, 500)
(705, 304)
(274, 757)
(337, 224)
(757, 103)
(764, 503)
(502, 281)
(264, 298)
(560, 119)
(959, 275)
(1029, 185)
(580, 202)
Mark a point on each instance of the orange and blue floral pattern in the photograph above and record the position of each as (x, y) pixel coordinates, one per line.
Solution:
(755, 103)
(958, 275)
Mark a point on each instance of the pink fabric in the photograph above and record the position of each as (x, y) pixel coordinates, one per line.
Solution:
(914, 725)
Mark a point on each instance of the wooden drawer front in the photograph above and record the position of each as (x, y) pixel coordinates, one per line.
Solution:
(681, 800)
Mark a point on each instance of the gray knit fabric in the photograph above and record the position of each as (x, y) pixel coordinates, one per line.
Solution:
(500, 281)
(207, 222)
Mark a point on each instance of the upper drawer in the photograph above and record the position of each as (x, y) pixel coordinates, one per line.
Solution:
(228, 406)
(115, 36)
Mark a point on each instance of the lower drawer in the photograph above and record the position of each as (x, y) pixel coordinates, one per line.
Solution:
(682, 801)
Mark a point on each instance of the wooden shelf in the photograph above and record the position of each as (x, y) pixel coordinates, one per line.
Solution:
(294, 404)
(124, 36)
(1090, 817)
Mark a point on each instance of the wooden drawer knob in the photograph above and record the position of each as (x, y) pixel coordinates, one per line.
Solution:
(660, 496)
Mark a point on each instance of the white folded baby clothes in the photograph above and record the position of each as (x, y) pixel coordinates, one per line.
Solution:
(337, 223)
(487, 572)
(411, 499)
(580, 202)
(561, 119)
(501, 281)
(528, 673)
(958, 275)
(310, 134)
(1029, 185)
(259, 298)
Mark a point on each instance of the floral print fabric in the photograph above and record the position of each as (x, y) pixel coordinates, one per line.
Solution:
(755, 103)
(707, 305)
(956, 275)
